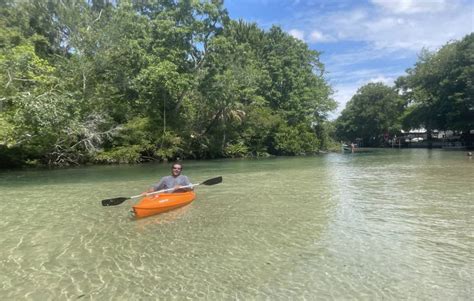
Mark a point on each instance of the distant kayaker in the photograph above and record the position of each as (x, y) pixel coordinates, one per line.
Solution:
(176, 180)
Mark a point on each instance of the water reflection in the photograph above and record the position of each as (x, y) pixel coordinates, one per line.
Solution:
(160, 219)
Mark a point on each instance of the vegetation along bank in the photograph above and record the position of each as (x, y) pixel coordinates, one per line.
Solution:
(124, 82)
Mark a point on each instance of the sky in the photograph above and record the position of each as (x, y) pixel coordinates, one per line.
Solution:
(362, 41)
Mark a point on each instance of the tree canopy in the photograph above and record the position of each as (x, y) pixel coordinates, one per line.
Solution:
(132, 81)
(439, 88)
(437, 93)
(373, 112)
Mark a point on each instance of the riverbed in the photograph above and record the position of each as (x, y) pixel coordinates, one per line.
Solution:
(380, 224)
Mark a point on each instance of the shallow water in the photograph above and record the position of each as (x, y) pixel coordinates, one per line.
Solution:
(383, 224)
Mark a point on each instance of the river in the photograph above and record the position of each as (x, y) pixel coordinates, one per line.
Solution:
(382, 224)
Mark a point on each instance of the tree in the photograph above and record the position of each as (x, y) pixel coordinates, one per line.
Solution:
(229, 86)
(439, 88)
(370, 114)
(132, 81)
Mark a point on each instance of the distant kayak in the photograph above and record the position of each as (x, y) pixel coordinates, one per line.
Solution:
(159, 203)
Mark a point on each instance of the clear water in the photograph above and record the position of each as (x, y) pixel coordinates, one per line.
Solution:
(376, 225)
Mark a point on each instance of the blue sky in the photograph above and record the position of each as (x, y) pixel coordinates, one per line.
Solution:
(362, 41)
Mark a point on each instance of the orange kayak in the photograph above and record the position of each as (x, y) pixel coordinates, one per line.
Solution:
(158, 203)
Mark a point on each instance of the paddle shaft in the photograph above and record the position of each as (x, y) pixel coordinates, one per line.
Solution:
(164, 190)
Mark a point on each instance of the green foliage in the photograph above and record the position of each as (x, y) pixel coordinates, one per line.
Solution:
(372, 112)
(134, 81)
(121, 154)
(326, 133)
(435, 94)
(260, 127)
(138, 141)
(6, 131)
(439, 88)
(252, 72)
(169, 147)
(299, 140)
(236, 150)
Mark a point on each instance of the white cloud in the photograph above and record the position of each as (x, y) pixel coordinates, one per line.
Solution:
(388, 24)
(344, 91)
(342, 94)
(411, 6)
(318, 37)
(378, 40)
(297, 34)
(428, 30)
(386, 80)
(388, 37)
(346, 81)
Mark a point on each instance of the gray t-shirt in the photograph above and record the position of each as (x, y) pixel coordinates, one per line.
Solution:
(171, 182)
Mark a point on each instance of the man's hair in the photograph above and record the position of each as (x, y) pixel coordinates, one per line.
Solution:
(177, 163)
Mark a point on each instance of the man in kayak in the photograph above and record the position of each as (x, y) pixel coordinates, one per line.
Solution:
(176, 180)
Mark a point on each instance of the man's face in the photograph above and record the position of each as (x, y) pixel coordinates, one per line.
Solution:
(176, 170)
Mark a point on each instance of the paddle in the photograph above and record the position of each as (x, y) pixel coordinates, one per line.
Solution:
(120, 200)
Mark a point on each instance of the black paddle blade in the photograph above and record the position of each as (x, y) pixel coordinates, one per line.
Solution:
(212, 181)
(114, 201)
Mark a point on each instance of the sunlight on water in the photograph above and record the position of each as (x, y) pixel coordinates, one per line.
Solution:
(382, 224)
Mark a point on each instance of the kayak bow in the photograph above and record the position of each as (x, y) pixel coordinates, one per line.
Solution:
(158, 203)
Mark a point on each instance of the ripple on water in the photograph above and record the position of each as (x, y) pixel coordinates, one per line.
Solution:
(388, 225)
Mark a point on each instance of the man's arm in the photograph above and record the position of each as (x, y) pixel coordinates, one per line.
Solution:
(159, 186)
(183, 181)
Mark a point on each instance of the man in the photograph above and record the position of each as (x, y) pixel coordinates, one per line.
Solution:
(176, 180)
